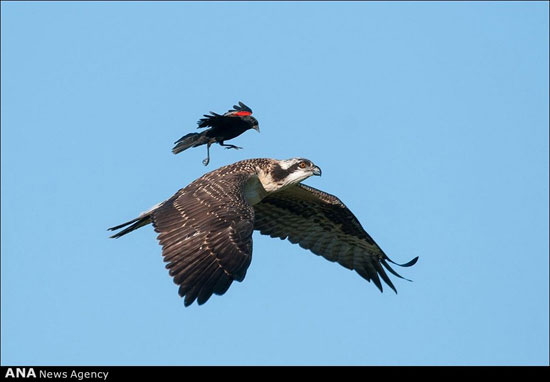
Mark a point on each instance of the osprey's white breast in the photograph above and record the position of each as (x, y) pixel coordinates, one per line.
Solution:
(254, 191)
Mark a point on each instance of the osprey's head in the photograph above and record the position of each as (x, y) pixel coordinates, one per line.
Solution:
(284, 173)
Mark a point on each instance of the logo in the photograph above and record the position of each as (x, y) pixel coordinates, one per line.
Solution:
(20, 372)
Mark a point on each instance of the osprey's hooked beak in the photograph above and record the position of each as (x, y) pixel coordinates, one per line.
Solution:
(317, 171)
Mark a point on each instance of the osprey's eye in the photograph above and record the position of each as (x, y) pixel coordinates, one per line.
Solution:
(302, 165)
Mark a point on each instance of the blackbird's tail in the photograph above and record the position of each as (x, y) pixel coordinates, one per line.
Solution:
(189, 140)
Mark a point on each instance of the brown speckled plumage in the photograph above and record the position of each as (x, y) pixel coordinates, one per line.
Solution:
(205, 229)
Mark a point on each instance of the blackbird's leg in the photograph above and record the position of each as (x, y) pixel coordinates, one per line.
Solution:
(230, 146)
(207, 159)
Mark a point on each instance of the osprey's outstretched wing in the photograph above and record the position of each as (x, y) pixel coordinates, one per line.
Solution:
(321, 223)
(205, 231)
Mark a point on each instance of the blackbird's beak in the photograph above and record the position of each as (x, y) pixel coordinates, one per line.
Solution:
(256, 127)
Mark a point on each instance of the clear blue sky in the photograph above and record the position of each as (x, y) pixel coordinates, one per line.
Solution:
(429, 120)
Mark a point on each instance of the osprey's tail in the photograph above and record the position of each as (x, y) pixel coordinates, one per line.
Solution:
(189, 140)
(136, 223)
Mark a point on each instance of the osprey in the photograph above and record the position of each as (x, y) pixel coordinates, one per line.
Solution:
(205, 229)
(223, 127)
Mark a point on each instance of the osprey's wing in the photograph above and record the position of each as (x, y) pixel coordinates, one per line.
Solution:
(321, 223)
(205, 231)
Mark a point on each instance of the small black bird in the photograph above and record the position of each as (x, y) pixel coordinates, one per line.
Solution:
(223, 127)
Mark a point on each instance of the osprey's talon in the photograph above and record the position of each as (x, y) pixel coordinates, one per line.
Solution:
(205, 161)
